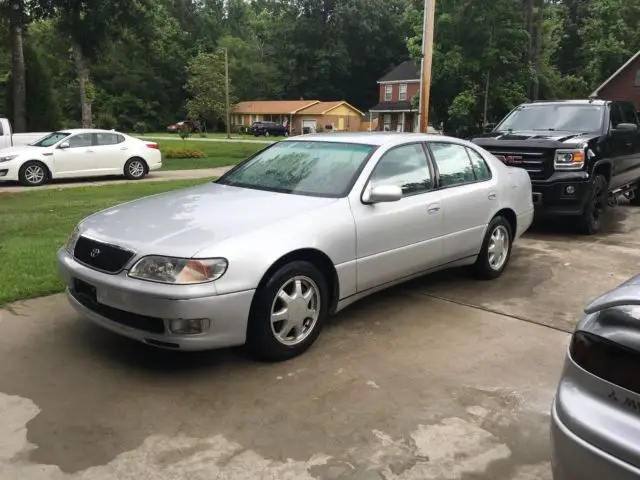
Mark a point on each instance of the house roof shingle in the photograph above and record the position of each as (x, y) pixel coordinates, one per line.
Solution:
(273, 107)
(405, 71)
(616, 73)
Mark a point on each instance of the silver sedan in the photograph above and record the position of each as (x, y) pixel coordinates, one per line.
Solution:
(297, 232)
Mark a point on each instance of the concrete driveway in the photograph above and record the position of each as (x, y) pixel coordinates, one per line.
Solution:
(443, 378)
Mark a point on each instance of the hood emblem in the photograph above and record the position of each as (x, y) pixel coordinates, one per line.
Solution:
(95, 252)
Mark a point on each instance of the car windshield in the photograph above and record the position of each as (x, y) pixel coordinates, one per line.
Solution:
(325, 169)
(50, 139)
(552, 117)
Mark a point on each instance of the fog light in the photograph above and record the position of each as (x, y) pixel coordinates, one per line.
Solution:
(570, 190)
(189, 326)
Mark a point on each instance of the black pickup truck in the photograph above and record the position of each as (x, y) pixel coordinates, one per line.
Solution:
(581, 155)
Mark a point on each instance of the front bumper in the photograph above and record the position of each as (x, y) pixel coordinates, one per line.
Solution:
(550, 196)
(9, 172)
(574, 459)
(120, 302)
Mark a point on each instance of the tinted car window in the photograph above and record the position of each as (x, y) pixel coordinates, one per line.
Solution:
(82, 140)
(480, 167)
(405, 167)
(628, 113)
(109, 138)
(615, 115)
(453, 164)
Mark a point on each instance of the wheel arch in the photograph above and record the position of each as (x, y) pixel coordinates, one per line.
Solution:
(604, 168)
(41, 162)
(139, 157)
(317, 258)
(511, 217)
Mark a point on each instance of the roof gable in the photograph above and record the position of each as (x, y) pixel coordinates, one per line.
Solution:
(322, 108)
(405, 71)
(616, 73)
(273, 107)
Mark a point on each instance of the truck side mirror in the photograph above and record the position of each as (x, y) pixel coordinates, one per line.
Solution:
(625, 129)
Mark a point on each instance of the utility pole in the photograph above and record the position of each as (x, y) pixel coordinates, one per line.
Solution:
(226, 81)
(427, 55)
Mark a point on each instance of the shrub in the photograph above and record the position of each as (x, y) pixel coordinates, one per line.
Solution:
(202, 135)
(140, 128)
(185, 131)
(182, 153)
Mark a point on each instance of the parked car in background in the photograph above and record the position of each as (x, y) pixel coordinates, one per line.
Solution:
(595, 422)
(269, 128)
(10, 139)
(79, 153)
(582, 155)
(175, 128)
(299, 231)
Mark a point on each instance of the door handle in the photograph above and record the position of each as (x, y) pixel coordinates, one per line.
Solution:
(88, 150)
(124, 148)
(433, 209)
(492, 195)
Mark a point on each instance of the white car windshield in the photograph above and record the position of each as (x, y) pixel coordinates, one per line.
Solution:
(50, 139)
(324, 169)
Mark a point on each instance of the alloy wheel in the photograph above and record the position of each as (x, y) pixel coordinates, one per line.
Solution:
(34, 174)
(498, 247)
(295, 310)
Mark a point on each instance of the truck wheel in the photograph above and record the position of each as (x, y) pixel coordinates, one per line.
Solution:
(636, 197)
(33, 174)
(591, 220)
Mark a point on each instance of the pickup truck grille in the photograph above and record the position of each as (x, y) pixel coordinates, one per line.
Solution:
(539, 163)
(101, 256)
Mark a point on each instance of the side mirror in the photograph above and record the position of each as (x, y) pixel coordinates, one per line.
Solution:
(488, 128)
(382, 194)
(625, 129)
(64, 145)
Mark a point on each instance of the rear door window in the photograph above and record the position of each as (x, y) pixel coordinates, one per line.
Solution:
(480, 167)
(453, 162)
(628, 113)
(104, 139)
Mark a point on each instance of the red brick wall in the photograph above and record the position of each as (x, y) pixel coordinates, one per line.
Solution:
(412, 90)
(623, 86)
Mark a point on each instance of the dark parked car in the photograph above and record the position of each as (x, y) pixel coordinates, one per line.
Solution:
(595, 423)
(269, 128)
(581, 155)
(175, 128)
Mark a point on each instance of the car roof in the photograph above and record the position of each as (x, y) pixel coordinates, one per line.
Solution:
(88, 130)
(366, 138)
(593, 101)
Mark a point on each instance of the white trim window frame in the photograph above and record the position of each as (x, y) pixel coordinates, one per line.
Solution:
(402, 92)
(388, 93)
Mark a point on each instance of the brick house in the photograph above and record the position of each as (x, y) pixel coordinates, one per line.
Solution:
(624, 84)
(395, 108)
(312, 115)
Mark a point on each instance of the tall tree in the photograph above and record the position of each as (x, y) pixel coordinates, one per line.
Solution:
(18, 70)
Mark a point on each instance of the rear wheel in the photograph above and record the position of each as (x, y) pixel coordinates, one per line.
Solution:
(496, 250)
(33, 174)
(135, 169)
(288, 312)
(590, 221)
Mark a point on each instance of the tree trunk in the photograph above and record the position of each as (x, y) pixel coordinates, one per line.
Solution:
(18, 74)
(486, 87)
(535, 95)
(82, 70)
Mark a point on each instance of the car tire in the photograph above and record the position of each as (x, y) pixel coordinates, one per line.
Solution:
(496, 250)
(590, 221)
(636, 197)
(33, 174)
(273, 334)
(135, 168)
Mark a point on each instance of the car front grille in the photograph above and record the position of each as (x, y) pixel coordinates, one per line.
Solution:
(101, 256)
(538, 162)
(86, 295)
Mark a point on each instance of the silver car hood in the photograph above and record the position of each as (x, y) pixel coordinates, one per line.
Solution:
(183, 222)
(627, 293)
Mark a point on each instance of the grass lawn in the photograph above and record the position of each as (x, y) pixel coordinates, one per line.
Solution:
(197, 135)
(217, 154)
(34, 225)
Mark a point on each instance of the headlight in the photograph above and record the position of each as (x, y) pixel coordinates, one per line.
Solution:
(72, 240)
(569, 159)
(180, 271)
(7, 158)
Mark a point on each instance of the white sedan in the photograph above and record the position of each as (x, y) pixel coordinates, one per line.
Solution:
(79, 153)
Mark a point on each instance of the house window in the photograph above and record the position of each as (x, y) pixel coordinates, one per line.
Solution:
(402, 95)
(637, 82)
(387, 122)
(388, 92)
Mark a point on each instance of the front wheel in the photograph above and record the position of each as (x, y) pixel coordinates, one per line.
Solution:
(288, 312)
(590, 221)
(135, 169)
(33, 174)
(496, 250)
